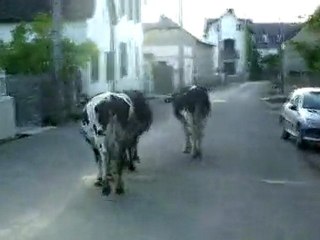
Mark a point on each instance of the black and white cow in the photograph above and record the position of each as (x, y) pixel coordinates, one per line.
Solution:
(112, 124)
(191, 107)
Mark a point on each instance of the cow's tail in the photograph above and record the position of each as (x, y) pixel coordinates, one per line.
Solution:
(203, 108)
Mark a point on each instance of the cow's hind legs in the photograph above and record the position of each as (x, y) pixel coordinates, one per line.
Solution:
(196, 141)
(119, 181)
(131, 166)
(187, 145)
(98, 182)
(106, 188)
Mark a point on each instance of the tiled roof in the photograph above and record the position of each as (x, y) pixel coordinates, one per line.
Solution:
(166, 23)
(25, 10)
(268, 35)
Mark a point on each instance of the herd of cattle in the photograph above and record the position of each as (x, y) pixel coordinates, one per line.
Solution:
(113, 122)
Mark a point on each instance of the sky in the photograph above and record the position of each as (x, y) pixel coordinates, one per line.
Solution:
(195, 11)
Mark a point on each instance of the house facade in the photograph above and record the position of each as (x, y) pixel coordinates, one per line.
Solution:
(114, 26)
(293, 62)
(128, 34)
(164, 39)
(229, 35)
(269, 36)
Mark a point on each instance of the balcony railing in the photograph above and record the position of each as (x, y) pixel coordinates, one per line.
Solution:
(229, 54)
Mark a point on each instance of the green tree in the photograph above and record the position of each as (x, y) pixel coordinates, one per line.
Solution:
(253, 56)
(30, 50)
(271, 63)
(311, 51)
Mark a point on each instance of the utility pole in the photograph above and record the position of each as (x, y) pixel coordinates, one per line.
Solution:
(281, 59)
(56, 37)
(181, 47)
(57, 54)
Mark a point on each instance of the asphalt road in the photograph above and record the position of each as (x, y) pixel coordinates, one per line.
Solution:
(250, 185)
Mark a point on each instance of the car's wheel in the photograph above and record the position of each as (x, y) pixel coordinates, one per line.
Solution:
(301, 144)
(280, 119)
(285, 135)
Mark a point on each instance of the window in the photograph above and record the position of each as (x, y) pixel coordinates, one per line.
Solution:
(229, 45)
(122, 7)
(130, 10)
(295, 100)
(218, 28)
(110, 58)
(112, 11)
(137, 11)
(238, 27)
(279, 38)
(94, 68)
(265, 38)
(229, 68)
(312, 101)
(123, 60)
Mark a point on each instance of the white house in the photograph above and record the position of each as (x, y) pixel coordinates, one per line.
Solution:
(229, 35)
(163, 40)
(114, 26)
(128, 41)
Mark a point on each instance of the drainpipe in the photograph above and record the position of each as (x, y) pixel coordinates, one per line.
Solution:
(181, 48)
(113, 22)
(113, 50)
(57, 58)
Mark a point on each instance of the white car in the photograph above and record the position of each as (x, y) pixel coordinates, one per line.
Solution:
(300, 116)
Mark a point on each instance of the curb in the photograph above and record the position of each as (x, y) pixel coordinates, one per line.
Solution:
(26, 133)
(272, 106)
(11, 139)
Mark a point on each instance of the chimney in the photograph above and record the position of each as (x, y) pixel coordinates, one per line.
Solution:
(230, 10)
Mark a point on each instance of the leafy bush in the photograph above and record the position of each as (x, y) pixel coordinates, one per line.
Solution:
(311, 51)
(253, 57)
(31, 47)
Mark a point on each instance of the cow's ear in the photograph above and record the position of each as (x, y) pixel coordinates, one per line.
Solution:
(168, 99)
(97, 108)
(100, 107)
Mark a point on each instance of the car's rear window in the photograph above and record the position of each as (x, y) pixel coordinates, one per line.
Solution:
(311, 100)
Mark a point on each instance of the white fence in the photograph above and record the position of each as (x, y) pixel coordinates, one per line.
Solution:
(3, 88)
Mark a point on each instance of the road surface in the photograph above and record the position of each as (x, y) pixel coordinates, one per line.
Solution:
(250, 185)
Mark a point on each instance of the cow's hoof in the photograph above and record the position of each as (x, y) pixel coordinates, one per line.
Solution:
(119, 190)
(110, 177)
(197, 155)
(132, 168)
(136, 159)
(106, 190)
(98, 182)
(186, 151)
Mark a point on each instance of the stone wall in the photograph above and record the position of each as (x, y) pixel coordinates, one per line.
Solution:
(36, 99)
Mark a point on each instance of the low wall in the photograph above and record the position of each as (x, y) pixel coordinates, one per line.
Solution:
(7, 117)
(37, 102)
